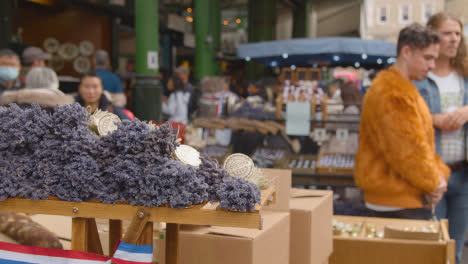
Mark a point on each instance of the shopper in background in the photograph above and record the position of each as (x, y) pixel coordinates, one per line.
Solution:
(256, 91)
(42, 88)
(334, 90)
(10, 67)
(183, 74)
(35, 57)
(91, 95)
(446, 93)
(351, 97)
(110, 81)
(396, 162)
(32, 57)
(176, 107)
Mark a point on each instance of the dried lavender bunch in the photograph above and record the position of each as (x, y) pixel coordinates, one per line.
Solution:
(69, 155)
(21, 133)
(238, 195)
(43, 155)
(125, 155)
(213, 175)
(170, 182)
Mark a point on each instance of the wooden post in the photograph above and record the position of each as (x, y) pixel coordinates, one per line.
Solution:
(136, 228)
(79, 234)
(450, 252)
(172, 243)
(115, 233)
(146, 237)
(94, 243)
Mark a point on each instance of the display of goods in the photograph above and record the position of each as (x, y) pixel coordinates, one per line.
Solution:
(303, 91)
(43, 155)
(269, 153)
(103, 123)
(68, 51)
(266, 157)
(337, 160)
(215, 151)
(302, 163)
(237, 194)
(346, 229)
(82, 64)
(51, 45)
(371, 230)
(86, 48)
(261, 162)
(213, 175)
(242, 166)
(188, 155)
(424, 229)
(239, 165)
(249, 111)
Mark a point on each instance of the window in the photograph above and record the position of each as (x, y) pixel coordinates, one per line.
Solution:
(382, 15)
(428, 11)
(405, 13)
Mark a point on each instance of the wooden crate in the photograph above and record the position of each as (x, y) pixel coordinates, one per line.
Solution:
(332, 169)
(362, 250)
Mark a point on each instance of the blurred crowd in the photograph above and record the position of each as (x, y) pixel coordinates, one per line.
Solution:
(25, 80)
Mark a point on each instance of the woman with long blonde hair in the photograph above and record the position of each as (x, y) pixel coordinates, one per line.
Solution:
(446, 92)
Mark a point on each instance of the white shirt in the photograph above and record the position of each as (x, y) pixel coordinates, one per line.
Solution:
(451, 98)
(176, 106)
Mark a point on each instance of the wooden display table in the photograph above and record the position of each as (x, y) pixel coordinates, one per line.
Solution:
(84, 230)
(364, 250)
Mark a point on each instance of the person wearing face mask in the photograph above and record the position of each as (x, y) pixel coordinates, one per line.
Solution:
(9, 70)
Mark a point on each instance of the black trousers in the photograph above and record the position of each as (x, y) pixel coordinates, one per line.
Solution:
(418, 214)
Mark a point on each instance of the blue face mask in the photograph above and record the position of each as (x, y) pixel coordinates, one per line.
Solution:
(8, 73)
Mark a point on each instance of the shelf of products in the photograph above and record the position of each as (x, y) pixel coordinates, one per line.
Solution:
(269, 157)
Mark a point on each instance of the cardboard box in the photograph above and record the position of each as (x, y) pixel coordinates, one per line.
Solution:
(59, 225)
(281, 179)
(241, 245)
(311, 226)
(363, 250)
(210, 245)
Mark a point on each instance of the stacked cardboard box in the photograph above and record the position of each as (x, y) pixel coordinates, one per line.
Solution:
(309, 232)
(210, 245)
(311, 226)
(206, 245)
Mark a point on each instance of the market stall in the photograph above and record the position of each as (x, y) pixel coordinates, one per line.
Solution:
(87, 166)
(331, 123)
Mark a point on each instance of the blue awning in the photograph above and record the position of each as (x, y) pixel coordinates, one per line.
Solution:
(332, 51)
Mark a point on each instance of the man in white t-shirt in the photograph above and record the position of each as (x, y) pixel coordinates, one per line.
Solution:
(445, 92)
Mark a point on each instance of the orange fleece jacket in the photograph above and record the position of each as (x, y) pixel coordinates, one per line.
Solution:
(396, 162)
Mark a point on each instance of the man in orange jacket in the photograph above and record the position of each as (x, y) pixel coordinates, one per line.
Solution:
(396, 163)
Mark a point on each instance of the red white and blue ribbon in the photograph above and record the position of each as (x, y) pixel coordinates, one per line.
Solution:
(125, 254)
(133, 254)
